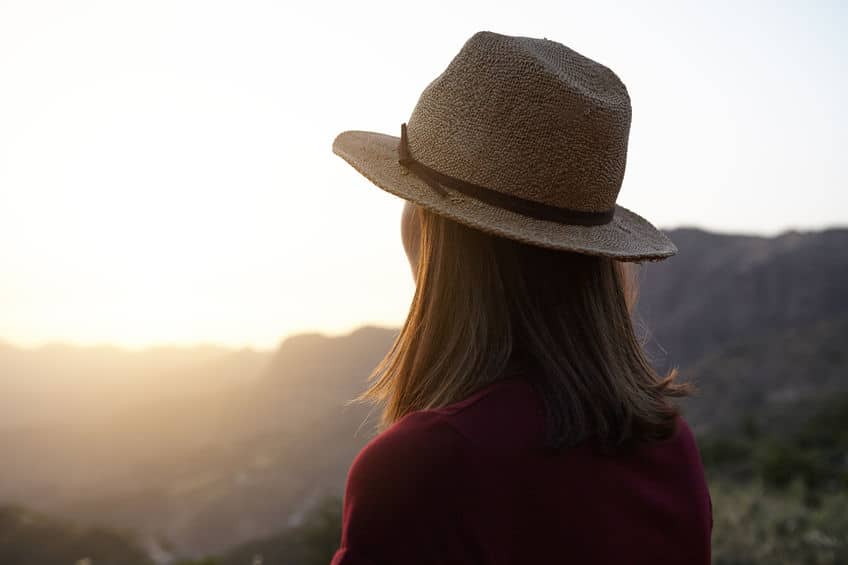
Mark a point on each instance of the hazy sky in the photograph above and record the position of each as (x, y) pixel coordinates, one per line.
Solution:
(166, 172)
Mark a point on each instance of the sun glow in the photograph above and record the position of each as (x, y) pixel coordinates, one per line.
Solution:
(166, 173)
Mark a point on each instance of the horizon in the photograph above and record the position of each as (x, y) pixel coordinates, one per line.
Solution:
(343, 332)
(200, 345)
(166, 173)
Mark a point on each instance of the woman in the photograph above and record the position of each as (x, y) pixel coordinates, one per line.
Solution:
(522, 423)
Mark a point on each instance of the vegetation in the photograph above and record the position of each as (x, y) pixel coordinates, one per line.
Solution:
(313, 542)
(782, 499)
(815, 454)
(754, 525)
(30, 538)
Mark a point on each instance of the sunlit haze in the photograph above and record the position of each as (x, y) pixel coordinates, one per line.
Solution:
(166, 173)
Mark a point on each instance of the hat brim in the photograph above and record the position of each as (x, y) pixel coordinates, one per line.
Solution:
(628, 237)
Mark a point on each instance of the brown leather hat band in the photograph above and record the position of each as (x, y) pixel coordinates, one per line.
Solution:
(438, 181)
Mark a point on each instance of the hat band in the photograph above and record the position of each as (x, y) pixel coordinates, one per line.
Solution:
(438, 181)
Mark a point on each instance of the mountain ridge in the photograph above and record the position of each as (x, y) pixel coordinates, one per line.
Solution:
(251, 442)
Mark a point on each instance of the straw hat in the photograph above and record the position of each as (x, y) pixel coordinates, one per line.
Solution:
(522, 138)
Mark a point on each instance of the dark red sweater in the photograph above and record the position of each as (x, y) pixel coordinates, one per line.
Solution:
(471, 483)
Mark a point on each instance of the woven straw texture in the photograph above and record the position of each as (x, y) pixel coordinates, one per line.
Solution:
(527, 117)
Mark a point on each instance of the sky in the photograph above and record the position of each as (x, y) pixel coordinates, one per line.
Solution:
(166, 173)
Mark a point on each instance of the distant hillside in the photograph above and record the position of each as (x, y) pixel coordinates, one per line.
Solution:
(774, 379)
(720, 289)
(30, 538)
(207, 467)
(59, 383)
(758, 323)
(312, 375)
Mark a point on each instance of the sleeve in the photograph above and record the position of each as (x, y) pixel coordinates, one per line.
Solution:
(402, 493)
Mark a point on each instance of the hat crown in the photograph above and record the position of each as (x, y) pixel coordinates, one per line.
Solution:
(527, 117)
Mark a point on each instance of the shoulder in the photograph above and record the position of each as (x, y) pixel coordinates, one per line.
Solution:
(505, 416)
(440, 437)
(422, 447)
(401, 489)
(430, 448)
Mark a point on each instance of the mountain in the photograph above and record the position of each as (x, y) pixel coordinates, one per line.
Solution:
(757, 323)
(773, 380)
(313, 375)
(720, 289)
(201, 468)
(200, 450)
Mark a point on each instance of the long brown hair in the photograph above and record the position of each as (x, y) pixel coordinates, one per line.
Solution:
(486, 306)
